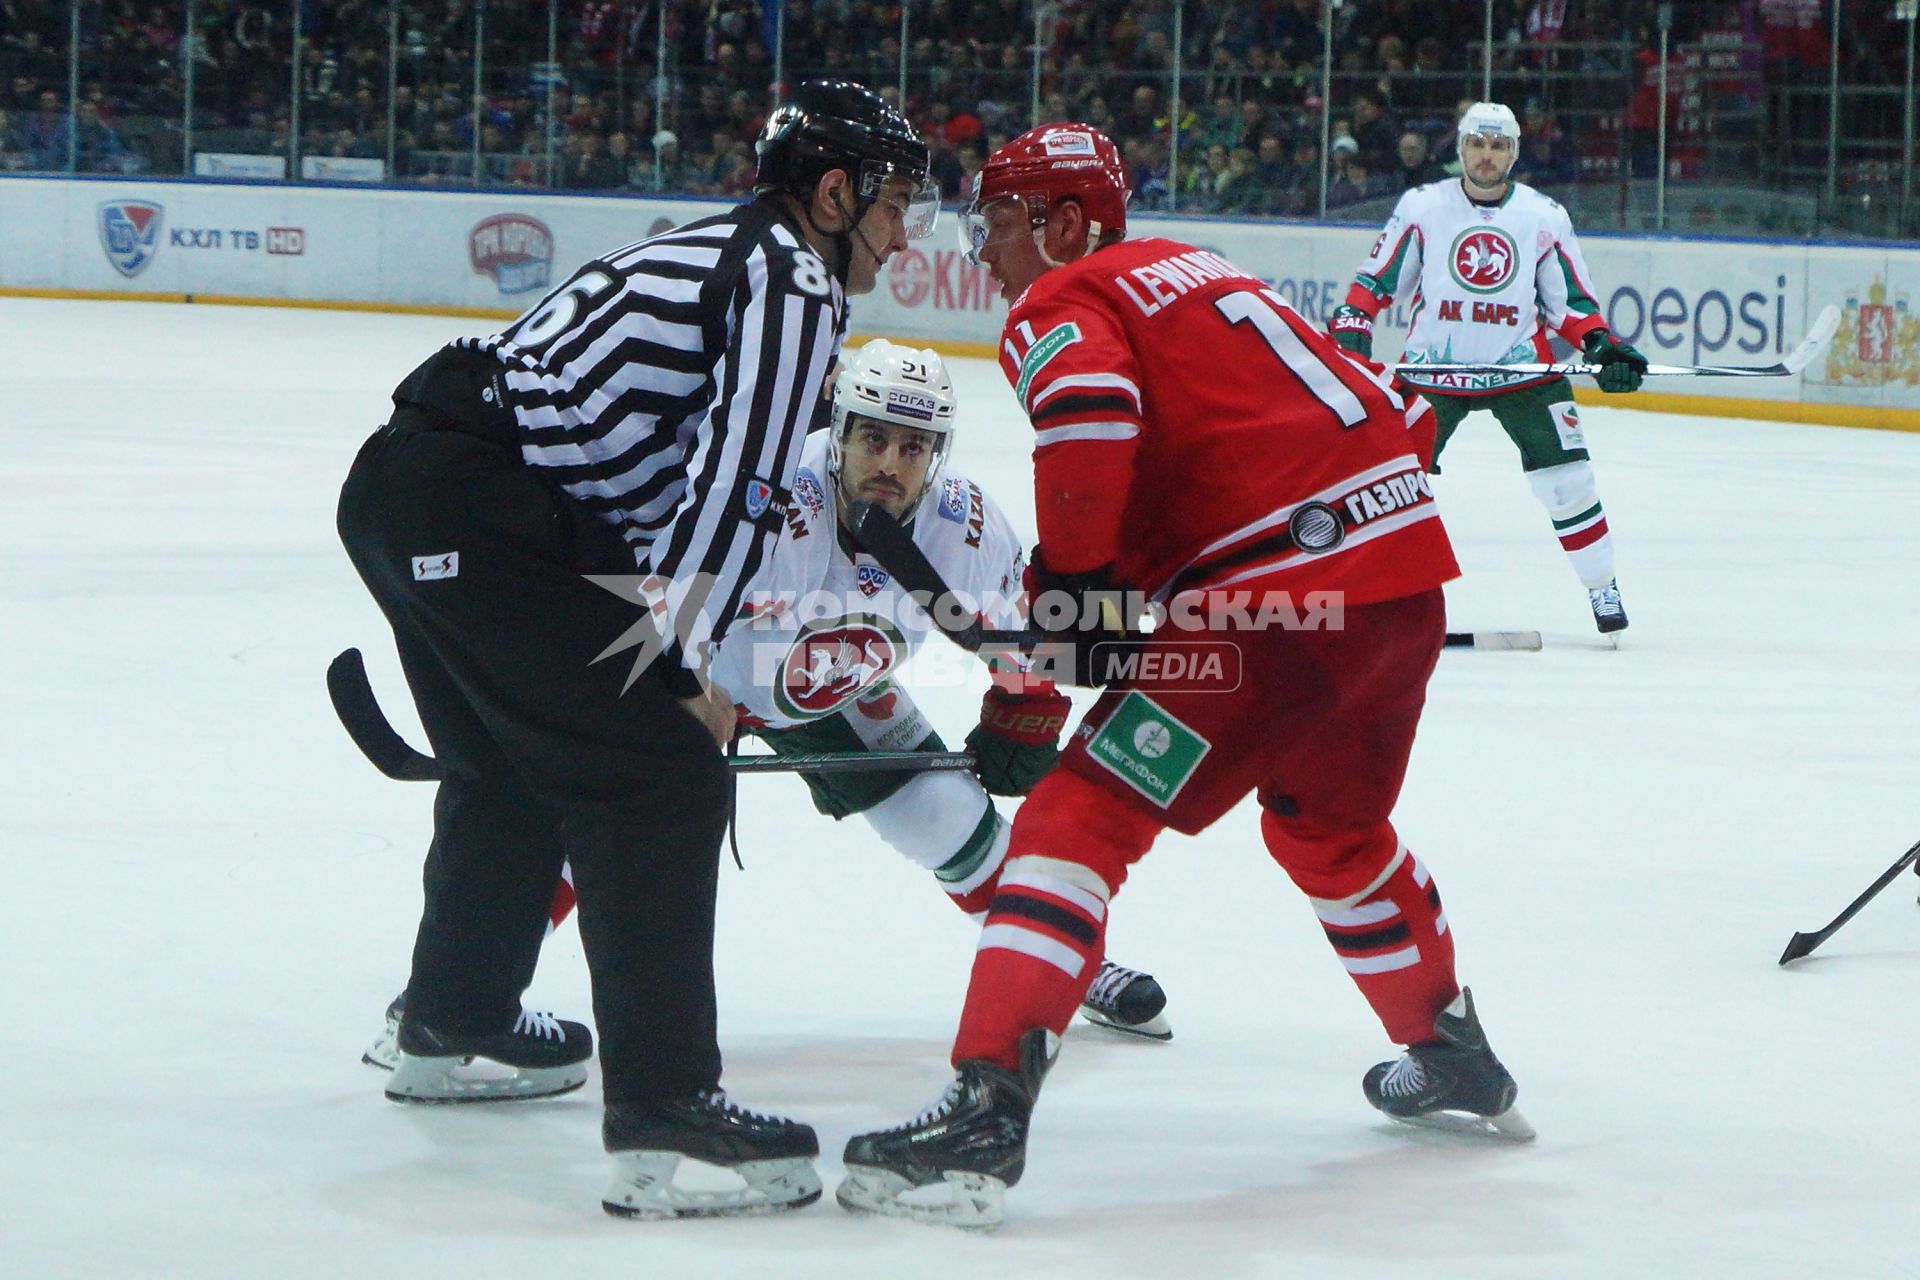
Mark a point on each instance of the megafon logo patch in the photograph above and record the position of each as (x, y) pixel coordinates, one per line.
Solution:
(130, 234)
(516, 250)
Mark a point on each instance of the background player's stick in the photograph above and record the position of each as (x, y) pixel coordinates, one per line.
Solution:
(1804, 943)
(1511, 641)
(1798, 359)
(371, 731)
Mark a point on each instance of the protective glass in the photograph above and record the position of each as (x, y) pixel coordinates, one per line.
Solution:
(976, 224)
(923, 209)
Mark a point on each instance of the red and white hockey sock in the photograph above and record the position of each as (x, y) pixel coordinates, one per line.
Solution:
(1572, 499)
(563, 900)
(1393, 939)
(1039, 952)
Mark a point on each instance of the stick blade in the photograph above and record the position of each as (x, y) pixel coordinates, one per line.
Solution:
(1801, 945)
(352, 696)
(1495, 641)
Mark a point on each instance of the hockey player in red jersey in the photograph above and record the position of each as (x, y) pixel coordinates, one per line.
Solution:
(1199, 442)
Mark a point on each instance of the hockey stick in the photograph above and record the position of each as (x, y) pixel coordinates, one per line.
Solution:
(888, 542)
(1491, 641)
(1804, 943)
(360, 714)
(895, 549)
(1824, 326)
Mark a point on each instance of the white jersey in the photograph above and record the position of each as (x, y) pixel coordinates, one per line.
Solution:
(822, 628)
(1487, 282)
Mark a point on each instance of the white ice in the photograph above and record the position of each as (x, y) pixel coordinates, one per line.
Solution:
(211, 896)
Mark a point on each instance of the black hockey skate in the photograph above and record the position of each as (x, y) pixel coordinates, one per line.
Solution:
(1608, 613)
(772, 1156)
(1452, 1082)
(542, 1056)
(971, 1145)
(1128, 1001)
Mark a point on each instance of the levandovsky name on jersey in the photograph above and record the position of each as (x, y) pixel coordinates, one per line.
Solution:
(822, 631)
(625, 404)
(1159, 377)
(1486, 282)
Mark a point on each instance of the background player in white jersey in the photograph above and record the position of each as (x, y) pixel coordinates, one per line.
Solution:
(1491, 266)
(814, 668)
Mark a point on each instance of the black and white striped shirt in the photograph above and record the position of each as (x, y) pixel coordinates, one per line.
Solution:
(668, 387)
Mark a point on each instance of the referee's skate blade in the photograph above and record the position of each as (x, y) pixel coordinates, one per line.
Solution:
(966, 1201)
(439, 1080)
(653, 1186)
(1508, 1126)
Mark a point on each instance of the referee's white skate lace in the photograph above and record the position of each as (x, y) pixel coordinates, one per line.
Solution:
(1406, 1079)
(1107, 987)
(543, 1025)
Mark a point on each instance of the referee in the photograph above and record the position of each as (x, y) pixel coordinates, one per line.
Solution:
(643, 420)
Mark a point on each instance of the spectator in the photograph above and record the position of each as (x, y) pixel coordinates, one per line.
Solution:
(47, 134)
(1416, 167)
(1548, 158)
(13, 147)
(1240, 189)
(1374, 132)
(944, 164)
(1149, 180)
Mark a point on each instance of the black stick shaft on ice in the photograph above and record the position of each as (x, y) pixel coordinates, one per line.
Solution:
(371, 731)
(1804, 943)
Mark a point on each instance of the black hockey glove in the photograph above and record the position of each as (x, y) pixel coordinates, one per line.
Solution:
(1352, 328)
(1017, 740)
(1081, 617)
(1621, 367)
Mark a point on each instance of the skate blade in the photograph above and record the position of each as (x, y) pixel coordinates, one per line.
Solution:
(1154, 1028)
(383, 1053)
(1508, 1126)
(418, 1079)
(964, 1201)
(643, 1188)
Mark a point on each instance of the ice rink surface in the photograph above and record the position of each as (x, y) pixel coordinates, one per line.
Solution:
(212, 896)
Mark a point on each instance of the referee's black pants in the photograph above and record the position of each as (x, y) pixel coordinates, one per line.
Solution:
(546, 758)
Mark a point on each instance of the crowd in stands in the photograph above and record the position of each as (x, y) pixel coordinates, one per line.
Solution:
(1246, 138)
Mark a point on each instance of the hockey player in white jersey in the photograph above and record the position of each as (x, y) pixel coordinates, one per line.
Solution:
(1491, 265)
(814, 666)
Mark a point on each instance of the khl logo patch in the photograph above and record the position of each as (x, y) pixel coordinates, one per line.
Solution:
(130, 234)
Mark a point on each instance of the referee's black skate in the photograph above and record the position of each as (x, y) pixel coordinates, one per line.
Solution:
(968, 1147)
(750, 1163)
(540, 1057)
(1127, 1001)
(1452, 1082)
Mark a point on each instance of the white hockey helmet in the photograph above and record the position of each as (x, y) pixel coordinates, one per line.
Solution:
(1492, 119)
(904, 386)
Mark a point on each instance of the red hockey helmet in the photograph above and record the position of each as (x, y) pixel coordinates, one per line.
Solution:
(1054, 162)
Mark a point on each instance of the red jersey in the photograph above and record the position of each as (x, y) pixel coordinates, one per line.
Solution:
(1192, 430)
